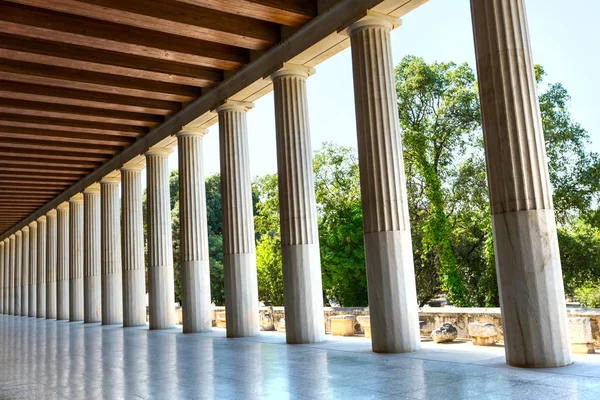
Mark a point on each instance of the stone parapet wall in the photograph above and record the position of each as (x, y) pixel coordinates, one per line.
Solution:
(432, 317)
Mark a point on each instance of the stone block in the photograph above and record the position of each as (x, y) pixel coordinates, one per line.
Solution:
(221, 320)
(365, 322)
(444, 333)
(482, 334)
(179, 316)
(342, 325)
(281, 325)
(580, 335)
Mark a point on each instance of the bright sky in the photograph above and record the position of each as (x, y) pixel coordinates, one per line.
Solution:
(565, 39)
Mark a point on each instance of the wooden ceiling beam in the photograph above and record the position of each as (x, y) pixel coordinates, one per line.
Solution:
(172, 17)
(77, 30)
(70, 137)
(72, 125)
(28, 177)
(65, 172)
(52, 154)
(84, 58)
(57, 95)
(16, 106)
(28, 185)
(16, 160)
(41, 74)
(285, 12)
(60, 146)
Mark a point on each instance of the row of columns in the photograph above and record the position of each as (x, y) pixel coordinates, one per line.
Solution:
(86, 266)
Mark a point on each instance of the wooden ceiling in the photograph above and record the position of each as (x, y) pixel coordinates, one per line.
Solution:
(82, 80)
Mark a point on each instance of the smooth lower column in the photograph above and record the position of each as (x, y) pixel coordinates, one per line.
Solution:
(92, 297)
(76, 258)
(530, 283)
(388, 246)
(62, 261)
(42, 235)
(32, 269)
(239, 255)
(110, 242)
(18, 271)
(195, 271)
(6, 284)
(51, 264)
(302, 286)
(25, 272)
(11, 275)
(161, 286)
(134, 275)
(2, 269)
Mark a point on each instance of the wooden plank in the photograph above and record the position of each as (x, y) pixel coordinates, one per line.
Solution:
(16, 160)
(285, 12)
(26, 91)
(27, 177)
(83, 126)
(41, 74)
(16, 106)
(46, 171)
(69, 137)
(60, 146)
(37, 23)
(174, 18)
(30, 185)
(80, 57)
(51, 154)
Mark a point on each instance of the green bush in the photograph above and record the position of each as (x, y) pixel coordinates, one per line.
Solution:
(589, 295)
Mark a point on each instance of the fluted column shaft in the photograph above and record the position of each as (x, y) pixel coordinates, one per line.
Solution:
(134, 276)
(76, 258)
(92, 298)
(51, 259)
(530, 283)
(32, 303)
(25, 272)
(6, 284)
(18, 271)
(161, 286)
(42, 236)
(110, 243)
(388, 247)
(239, 255)
(195, 271)
(303, 290)
(62, 262)
(11, 275)
(2, 271)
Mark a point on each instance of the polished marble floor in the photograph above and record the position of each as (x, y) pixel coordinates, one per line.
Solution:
(61, 360)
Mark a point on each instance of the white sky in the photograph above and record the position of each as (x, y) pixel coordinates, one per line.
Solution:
(565, 40)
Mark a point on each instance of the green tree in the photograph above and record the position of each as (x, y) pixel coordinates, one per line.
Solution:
(215, 238)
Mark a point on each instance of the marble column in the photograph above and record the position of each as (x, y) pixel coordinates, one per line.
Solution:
(388, 246)
(134, 274)
(51, 264)
(25, 272)
(239, 255)
(161, 286)
(302, 287)
(76, 258)
(62, 261)
(18, 271)
(530, 283)
(33, 269)
(92, 298)
(195, 271)
(110, 244)
(42, 236)
(11, 275)
(6, 284)
(2, 269)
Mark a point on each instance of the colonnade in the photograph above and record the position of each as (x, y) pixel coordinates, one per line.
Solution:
(84, 261)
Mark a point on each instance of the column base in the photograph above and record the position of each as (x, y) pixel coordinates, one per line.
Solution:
(197, 307)
(76, 299)
(534, 313)
(162, 300)
(112, 300)
(303, 294)
(92, 302)
(62, 301)
(241, 295)
(51, 300)
(134, 298)
(393, 308)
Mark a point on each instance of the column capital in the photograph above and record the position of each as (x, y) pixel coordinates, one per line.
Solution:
(110, 180)
(289, 69)
(33, 224)
(64, 205)
(132, 166)
(51, 213)
(25, 229)
(375, 19)
(158, 151)
(17, 234)
(191, 131)
(230, 105)
(42, 219)
(78, 198)
(94, 188)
